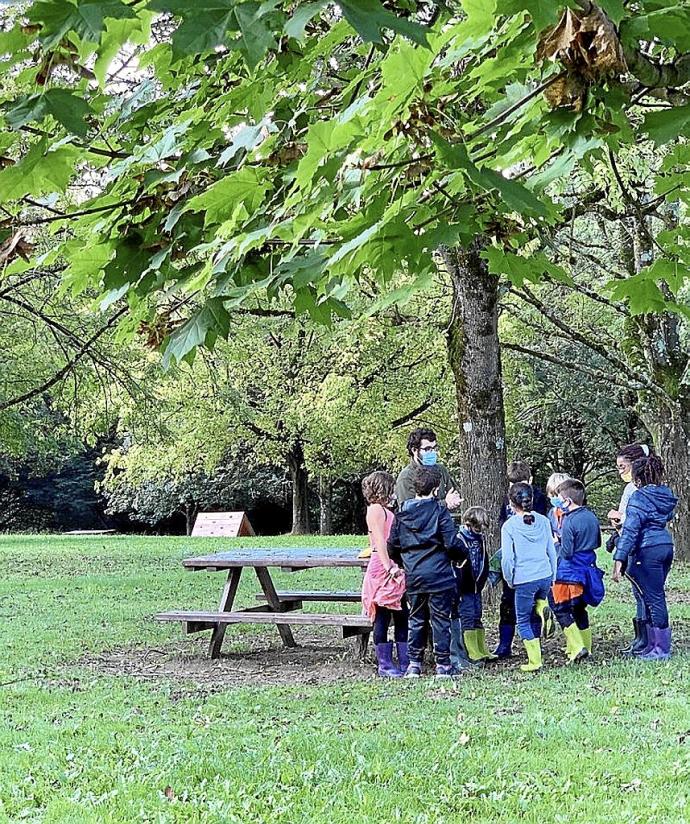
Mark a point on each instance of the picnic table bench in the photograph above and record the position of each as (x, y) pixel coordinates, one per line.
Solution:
(280, 608)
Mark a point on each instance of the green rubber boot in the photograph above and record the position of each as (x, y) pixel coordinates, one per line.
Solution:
(471, 639)
(548, 625)
(481, 643)
(533, 648)
(574, 644)
(587, 638)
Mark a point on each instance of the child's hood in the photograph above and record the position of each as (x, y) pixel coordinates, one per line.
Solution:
(529, 533)
(470, 536)
(419, 514)
(658, 499)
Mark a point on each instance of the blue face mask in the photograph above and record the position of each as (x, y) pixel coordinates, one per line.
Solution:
(557, 502)
(429, 458)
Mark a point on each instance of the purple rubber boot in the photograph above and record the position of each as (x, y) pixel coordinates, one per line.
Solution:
(661, 651)
(403, 656)
(384, 655)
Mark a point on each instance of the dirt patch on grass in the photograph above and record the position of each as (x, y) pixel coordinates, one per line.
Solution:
(316, 661)
(319, 660)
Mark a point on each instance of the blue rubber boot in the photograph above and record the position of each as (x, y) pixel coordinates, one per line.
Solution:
(403, 656)
(661, 651)
(506, 633)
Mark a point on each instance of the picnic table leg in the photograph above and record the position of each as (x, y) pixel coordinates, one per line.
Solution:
(274, 602)
(226, 602)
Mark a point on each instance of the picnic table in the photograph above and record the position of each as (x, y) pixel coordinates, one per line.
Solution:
(281, 607)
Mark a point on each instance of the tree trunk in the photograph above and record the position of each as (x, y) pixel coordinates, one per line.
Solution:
(190, 513)
(671, 437)
(666, 357)
(300, 497)
(325, 506)
(475, 359)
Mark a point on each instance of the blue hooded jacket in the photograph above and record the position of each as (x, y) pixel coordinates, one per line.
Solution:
(580, 539)
(649, 510)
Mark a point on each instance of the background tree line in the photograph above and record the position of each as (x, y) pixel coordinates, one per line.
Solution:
(501, 184)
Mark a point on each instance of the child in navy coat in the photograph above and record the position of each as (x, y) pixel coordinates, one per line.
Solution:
(471, 575)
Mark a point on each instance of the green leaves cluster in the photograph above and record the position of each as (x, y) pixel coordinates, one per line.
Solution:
(242, 151)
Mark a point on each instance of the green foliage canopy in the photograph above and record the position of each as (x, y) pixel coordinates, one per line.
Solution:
(242, 151)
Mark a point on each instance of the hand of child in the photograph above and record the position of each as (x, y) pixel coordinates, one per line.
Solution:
(394, 571)
(617, 571)
(614, 516)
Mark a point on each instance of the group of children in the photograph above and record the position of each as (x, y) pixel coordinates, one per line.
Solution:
(426, 576)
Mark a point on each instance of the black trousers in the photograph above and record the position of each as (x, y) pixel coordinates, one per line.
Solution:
(430, 609)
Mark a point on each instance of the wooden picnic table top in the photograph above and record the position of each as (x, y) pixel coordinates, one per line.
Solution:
(288, 557)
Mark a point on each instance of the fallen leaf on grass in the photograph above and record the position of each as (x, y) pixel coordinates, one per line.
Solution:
(632, 787)
(169, 793)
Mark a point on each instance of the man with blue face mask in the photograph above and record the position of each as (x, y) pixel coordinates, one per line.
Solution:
(422, 447)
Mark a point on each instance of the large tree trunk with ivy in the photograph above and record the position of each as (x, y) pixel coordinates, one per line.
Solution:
(475, 359)
(325, 506)
(672, 435)
(657, 341)
(300, 491)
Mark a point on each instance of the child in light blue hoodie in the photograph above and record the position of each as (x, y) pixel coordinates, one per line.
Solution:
(528, 563)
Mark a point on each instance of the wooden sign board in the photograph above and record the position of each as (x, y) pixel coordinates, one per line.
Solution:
(222, 524)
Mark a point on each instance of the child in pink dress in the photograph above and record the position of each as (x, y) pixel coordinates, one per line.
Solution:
(383, 590)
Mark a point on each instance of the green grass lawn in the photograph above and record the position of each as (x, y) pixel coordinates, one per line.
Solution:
(608, 741)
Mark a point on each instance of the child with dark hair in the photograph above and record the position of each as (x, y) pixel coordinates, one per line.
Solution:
(425, 537)
(624, 461)
(471, 575)
(528, 563)
(517, 472)
(383, 589)
(579, 583)
(646, 547)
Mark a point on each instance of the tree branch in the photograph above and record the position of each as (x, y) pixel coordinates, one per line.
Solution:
(575, 366)
(58, 376)
(594, 346)
(649, 73)
(410, 416)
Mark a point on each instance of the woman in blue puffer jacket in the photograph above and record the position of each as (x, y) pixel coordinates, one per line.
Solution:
(644, 552)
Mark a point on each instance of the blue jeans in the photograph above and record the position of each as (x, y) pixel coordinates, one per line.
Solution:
(640, 606)
(507, 614)
(430, 608)
(470, 611)
(525, 597)
(648, 569)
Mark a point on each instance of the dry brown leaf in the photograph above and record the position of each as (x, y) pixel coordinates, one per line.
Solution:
(589, 49)
(16, 245)
(568, 90)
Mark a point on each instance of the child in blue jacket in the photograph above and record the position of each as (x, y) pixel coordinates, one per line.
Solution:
(644, 551)
(579, 582)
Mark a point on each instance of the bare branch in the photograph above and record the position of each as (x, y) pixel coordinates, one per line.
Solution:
(577, 335)
(58, 376)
